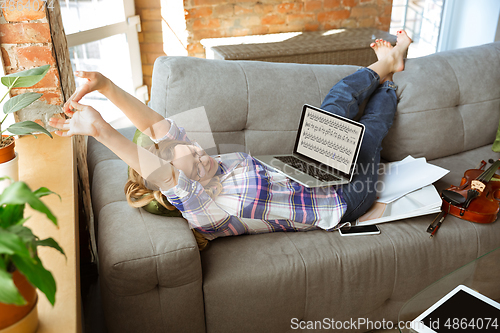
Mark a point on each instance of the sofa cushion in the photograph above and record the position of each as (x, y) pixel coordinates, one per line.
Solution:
(444, 100)
(319, 274)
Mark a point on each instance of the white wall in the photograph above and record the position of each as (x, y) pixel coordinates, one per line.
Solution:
(469, 23)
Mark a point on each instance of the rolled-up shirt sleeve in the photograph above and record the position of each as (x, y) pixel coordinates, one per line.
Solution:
(175, 133)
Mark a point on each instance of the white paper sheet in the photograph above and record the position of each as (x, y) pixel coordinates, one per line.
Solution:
(408, 175)
(420, 202)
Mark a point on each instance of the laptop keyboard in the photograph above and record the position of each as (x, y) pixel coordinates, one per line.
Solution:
(311, 170)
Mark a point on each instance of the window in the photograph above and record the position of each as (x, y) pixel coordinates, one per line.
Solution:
(102, 36)
(422, 21)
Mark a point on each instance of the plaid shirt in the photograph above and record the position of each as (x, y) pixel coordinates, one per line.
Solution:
(254, 199)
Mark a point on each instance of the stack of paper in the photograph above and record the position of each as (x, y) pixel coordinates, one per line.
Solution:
(406, 190)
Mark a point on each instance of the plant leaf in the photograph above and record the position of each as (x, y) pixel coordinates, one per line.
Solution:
(11, 244)
(19, 102)
(43, 191)
(27, 78)
(41, 278)
(23, 220)
(3, 265)
(50, 242)
(8, 290)
(24, 233)
(18, 193)
(27, 127)
(11, 215)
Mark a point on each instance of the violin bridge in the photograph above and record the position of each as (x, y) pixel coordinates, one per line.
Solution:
(477, 185)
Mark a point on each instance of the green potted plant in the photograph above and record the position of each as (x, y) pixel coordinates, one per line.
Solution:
(20, 267)
(23, 79)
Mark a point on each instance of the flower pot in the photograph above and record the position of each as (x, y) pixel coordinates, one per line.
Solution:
(28, 324)
(22, 317)
(7, 153)
(11, 169)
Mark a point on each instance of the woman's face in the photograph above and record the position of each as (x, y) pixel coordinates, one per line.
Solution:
(195, 163)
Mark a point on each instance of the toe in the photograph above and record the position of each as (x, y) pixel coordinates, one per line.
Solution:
(403, 33)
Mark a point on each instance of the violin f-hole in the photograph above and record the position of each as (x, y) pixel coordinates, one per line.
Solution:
(496, 195)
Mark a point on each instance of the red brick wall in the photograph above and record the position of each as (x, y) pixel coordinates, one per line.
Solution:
(150, 37)
(230, 18)
(25, 42)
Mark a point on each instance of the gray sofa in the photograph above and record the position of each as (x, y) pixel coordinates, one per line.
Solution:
(154, 279)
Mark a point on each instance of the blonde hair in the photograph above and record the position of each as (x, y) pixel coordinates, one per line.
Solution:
(138, 195)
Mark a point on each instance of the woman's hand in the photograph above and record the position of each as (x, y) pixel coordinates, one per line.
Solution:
(95, 82)
(85, 120)
(144, 118)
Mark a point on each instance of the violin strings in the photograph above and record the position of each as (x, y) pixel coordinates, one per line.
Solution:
(486, 176)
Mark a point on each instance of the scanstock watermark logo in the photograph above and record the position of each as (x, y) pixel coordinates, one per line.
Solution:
(359, 184)
(351, 324)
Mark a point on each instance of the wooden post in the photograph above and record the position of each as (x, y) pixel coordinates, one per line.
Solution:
(60, 46)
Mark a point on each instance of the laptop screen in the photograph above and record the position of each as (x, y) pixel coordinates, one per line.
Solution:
(329, 139)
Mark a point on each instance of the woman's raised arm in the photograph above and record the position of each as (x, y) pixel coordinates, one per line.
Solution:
(87, 121)
(145, 119)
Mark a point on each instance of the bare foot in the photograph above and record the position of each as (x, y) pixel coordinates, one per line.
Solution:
(402, 37)
(399, 51)
(390, 59)
(381, 47)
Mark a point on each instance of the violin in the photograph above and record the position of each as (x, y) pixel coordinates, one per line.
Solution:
(477, 198)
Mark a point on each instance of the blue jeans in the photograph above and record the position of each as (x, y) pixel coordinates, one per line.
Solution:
(344, 99)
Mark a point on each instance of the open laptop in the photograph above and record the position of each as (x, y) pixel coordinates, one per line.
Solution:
(325, 152)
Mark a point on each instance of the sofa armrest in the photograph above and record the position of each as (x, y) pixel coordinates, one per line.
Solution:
(150, 272)
(149, 265)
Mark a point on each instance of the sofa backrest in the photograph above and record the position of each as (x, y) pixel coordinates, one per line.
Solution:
(448, 102)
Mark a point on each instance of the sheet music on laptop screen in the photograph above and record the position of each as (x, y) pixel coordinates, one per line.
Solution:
(328, 140)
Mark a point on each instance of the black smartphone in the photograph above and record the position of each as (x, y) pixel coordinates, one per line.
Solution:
(360, 230)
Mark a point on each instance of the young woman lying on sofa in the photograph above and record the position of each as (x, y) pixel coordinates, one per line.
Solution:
(234, 194)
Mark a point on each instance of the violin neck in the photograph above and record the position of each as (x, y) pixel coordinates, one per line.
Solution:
(486, 175)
